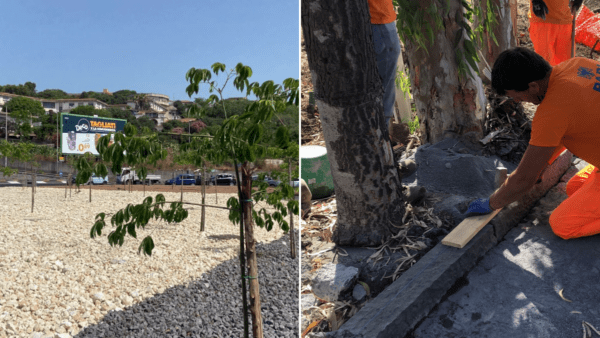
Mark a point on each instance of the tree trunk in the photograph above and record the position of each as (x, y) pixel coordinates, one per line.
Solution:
(505, 30)
(349, 94)
(90, 186)
(447, 106)
(257, 329)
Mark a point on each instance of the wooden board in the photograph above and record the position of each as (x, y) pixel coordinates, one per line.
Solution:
(467, 229)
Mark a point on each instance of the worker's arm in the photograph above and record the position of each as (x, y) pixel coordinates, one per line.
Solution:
(523, 178)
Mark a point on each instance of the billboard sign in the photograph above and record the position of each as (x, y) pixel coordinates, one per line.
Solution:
(80, 134)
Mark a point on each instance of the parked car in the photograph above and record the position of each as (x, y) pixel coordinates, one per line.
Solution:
(296, 183)
(127, 174)
(225, 179)
(272, 182)
(208, 181)
(185, 179)
(99, 180)
(93, 180)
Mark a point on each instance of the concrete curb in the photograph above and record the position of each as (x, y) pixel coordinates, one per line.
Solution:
(409, 299)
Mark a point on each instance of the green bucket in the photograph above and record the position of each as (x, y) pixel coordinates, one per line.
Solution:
(316, 171)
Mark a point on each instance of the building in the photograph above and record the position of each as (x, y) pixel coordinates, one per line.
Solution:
(160, 110)
(54, 106)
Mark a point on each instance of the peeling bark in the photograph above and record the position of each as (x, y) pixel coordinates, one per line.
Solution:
(505, 30)
(349, 94)
(447, 105)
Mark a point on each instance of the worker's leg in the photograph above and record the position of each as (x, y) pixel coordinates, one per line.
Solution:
(562, 43)
(387, 49)
(539, 33)
(581, 177)
(579, 215)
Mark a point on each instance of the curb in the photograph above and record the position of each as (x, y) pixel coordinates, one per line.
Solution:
(403, 304)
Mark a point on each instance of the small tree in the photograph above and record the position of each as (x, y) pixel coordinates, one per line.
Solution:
(238, 139)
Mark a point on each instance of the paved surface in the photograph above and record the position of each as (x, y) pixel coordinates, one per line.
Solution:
(514, 290)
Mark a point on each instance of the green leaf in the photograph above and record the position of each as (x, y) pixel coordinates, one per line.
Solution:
(217, 66)
(254, 133)
(131, 230)
(147, 245)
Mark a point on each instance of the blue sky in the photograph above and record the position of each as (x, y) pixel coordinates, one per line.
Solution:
(146, 46)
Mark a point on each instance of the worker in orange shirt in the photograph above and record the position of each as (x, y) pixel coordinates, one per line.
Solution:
(387, 50)
(568, 116)
(550, 28)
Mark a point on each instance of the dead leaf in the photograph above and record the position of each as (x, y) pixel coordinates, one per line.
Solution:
(310, 327)
(560, 293)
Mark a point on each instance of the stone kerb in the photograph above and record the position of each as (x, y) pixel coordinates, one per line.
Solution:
(409, 299)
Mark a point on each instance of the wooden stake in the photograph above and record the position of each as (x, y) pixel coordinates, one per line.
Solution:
(67, 185)
(292, 233)
(32, 191)
(202, 220)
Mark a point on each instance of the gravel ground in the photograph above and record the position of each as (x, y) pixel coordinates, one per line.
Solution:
(56, 280)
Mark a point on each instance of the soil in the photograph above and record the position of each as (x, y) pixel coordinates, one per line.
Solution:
(317, 227)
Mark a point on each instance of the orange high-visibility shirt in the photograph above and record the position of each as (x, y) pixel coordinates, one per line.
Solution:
(558, 13)
(569, 114)
(382, 11)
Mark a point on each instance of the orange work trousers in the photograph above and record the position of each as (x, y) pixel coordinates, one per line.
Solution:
(579, 214)
(551, 41)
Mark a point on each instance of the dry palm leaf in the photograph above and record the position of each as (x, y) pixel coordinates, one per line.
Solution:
(310, 327)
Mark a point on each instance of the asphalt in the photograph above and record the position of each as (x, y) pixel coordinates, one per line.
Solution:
(514, 290)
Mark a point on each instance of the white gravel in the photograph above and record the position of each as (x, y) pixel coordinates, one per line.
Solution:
(56, 280)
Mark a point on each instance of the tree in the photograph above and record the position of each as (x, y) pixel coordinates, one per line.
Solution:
(239, 139)
(495, 35)
(122, 96)
(54, 94)
(142, 102)
(119, 113)
(28, 89)
(23, 110)
(197, 126)
(169, 125)
(144, 122)
(90, 111)
(441, 43)
(349, 94)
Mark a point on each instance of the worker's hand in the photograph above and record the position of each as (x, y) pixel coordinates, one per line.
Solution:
(480, 206)
(539, 8)
(575, 5)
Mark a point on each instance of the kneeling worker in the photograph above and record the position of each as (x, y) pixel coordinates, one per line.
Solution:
(568, 116)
